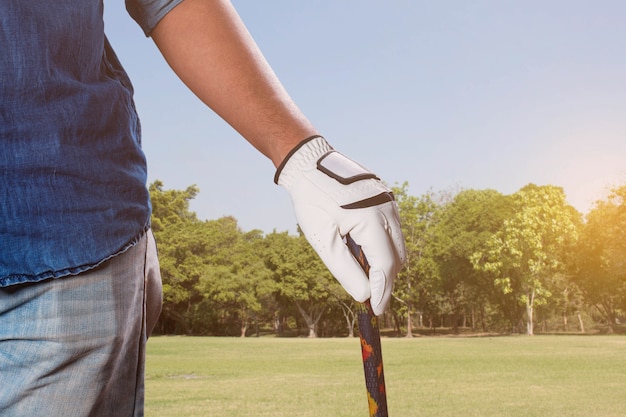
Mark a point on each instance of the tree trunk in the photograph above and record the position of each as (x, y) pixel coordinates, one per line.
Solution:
(580, 322)
(483, 321)
(409, 318)
(350, 324)
(350, 317)
(473, 317)
(396, 322)
(605, 308)
(310, 319)
(529, 322)
(409, 325)
(529, 313)
(244, 328)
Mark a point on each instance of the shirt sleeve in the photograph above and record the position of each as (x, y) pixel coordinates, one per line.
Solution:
(147, 13)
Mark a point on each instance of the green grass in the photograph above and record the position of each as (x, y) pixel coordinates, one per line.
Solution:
(542, 376)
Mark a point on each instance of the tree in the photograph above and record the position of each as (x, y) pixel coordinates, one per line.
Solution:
(301, 277)
(529, 251)
(235, 280)
(173, 226)
(464, 226)
(347, 305)
(602, 256)
(170, 207)
(416, 283)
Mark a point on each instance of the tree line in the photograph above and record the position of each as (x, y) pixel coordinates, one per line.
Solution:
(477, 260)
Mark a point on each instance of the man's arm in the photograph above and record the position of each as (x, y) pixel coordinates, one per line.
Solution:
(209, 48)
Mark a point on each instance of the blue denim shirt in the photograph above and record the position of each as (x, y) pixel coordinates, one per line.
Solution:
(72, 173)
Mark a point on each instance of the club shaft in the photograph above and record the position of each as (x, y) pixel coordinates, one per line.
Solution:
(371, 350)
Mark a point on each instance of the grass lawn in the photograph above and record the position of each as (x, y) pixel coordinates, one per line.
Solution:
(517, 376)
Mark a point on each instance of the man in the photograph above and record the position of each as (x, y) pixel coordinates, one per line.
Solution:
(79, 282)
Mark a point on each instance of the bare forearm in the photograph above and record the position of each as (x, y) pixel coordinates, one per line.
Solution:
(210, 49)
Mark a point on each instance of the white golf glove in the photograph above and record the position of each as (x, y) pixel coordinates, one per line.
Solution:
(334, 196)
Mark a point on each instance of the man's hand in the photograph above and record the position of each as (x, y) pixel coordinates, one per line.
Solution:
(333, 196)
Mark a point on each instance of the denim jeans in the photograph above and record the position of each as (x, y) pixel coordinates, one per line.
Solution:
(75, 346)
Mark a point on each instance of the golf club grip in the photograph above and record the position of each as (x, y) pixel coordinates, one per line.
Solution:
(369, 334)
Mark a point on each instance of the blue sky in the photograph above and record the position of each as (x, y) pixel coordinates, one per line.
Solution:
(482, 94)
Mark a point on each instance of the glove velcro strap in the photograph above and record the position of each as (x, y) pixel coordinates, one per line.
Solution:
(343, 169)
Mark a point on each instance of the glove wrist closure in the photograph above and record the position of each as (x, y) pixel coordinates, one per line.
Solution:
(303, 157)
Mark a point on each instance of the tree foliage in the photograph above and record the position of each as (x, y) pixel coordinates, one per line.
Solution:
(418, 282)
(476, 259)
(601, 256)
(527, 254)
(465, 226)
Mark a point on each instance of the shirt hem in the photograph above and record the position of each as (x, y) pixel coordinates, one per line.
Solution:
(16, 279)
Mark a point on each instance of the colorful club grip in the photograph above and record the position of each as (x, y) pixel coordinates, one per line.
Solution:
(370, 345)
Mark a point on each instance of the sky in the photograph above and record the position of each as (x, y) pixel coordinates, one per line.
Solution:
(443, 95)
